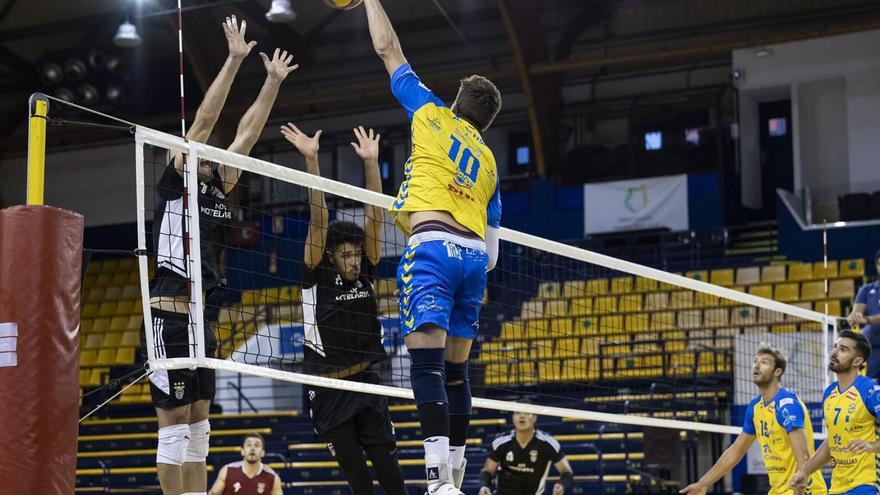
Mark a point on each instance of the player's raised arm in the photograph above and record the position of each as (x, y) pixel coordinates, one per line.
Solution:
(725, 463)
(367, 148)
(251, 125)
(220, 483)
(215, 97)
(319, 217)
(385, 40)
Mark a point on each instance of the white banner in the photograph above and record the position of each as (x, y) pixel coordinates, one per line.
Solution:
(636, 204)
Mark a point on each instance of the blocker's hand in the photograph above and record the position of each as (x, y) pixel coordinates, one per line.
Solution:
(306, 145)
(367, 146)
(238, 47)
(279, 66)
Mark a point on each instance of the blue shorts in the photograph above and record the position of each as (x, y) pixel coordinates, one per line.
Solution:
(861, 490)
(441, 278)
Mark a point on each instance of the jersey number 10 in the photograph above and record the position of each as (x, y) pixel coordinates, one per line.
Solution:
(468, 164)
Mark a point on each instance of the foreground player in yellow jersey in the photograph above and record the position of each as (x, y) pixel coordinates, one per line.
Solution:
(780, 422)
(450, 205)
(851, 405)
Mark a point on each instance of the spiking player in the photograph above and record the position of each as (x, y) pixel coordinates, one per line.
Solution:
(450, 204)
(780, 422)
(183, 397)
(851, 406)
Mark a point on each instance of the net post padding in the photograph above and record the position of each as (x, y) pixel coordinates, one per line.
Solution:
(40, 277)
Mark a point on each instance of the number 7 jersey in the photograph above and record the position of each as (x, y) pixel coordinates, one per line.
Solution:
(450, 168)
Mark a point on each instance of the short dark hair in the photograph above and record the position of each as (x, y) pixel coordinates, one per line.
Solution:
(339, 232)
(256, 435)
(863, 348)
(478, 101)
(778, 358)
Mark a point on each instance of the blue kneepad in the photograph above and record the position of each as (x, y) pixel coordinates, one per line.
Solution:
(428, 375)
(459, 392)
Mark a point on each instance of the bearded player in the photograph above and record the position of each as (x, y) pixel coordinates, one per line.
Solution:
(780, 422)
(449, 203)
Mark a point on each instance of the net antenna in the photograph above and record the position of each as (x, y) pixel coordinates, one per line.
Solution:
(742, 303)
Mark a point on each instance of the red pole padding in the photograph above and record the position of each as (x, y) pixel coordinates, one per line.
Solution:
(40, 265)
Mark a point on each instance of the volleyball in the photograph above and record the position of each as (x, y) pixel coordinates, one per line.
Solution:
(343, 4)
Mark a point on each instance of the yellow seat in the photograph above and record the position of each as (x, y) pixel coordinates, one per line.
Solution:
(95, 295)
(769, 316)
(127, 264)
(135, 277)
(112, 293)
(605, 304)
(596, 287)
(853, 268)
(611, 325)
(811, 291)
(293, 293)
(681, 299)
(91, 341)
(748, 275)
(524, 372)
(621, 285)
(645, 284)
(130, 338)
(112, 339)
(249, 298)
(656, 300)
(574, 288)
(88, 357)
(541, 349)
(820, 271)
(497, 374)
(106, 357)
(108, 266)
(85, 325)
(762, 290)
(701, 275)
(578, 369)
(798, 272)
(532, 309)
(582, 306)
(705, 300)
(125, 307)
(722, 276)
(787, 292)
(131, 292)
(587, 326)
(841, 289)
(716, 317)
(107, 309)
(536, 329)
(689, 318)
(784, 328)
(568, 347)
(120, 278)
(134, 322)
(561, 327)
(118, 323)
(100, 325)
(834, 307)
(512, 330)
(630, 303)
(637, 322)
(549, 371)
(771, 274)
(556, 307)
(89, 310)
(743, 315)
(549, 290)
(663, 320)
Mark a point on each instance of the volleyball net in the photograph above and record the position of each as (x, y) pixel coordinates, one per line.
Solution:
(583, 335)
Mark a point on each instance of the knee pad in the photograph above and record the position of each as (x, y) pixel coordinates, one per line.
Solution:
(173, 444)
(427, 374)
(458, 388)
(199, 436)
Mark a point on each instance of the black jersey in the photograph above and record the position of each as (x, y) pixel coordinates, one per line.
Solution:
(523, 471)
(168, 233)
(341, 322)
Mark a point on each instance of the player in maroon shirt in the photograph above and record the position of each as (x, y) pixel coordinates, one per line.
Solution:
(248, 476)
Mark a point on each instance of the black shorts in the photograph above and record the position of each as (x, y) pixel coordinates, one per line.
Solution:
(363, 418)
(172, 338)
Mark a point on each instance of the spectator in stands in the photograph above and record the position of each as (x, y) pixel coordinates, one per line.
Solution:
(519, 461)
(248, 476)
(866, 314)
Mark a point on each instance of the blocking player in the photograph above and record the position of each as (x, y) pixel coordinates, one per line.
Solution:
(449, 203)
(780, 422)
(248, 476)
(343, 336)
(519, 461)
(851, 406)
(183, 397)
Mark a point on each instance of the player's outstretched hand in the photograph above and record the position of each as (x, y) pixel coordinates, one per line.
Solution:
(558, 489)
(694, 489)
(485, 491)
(306, 145)
(367, 146)
(798, 482)
(279, 66)
(861, 447)
(238, 47)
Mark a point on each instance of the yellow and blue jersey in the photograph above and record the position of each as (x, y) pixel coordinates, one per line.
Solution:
(450, 168)
(771, 423)
(850, 415)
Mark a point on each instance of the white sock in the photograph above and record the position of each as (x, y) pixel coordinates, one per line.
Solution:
(456, 456)
(437, 450)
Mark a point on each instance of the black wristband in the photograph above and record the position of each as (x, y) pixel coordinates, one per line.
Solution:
(486, 479)
(566, 479)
